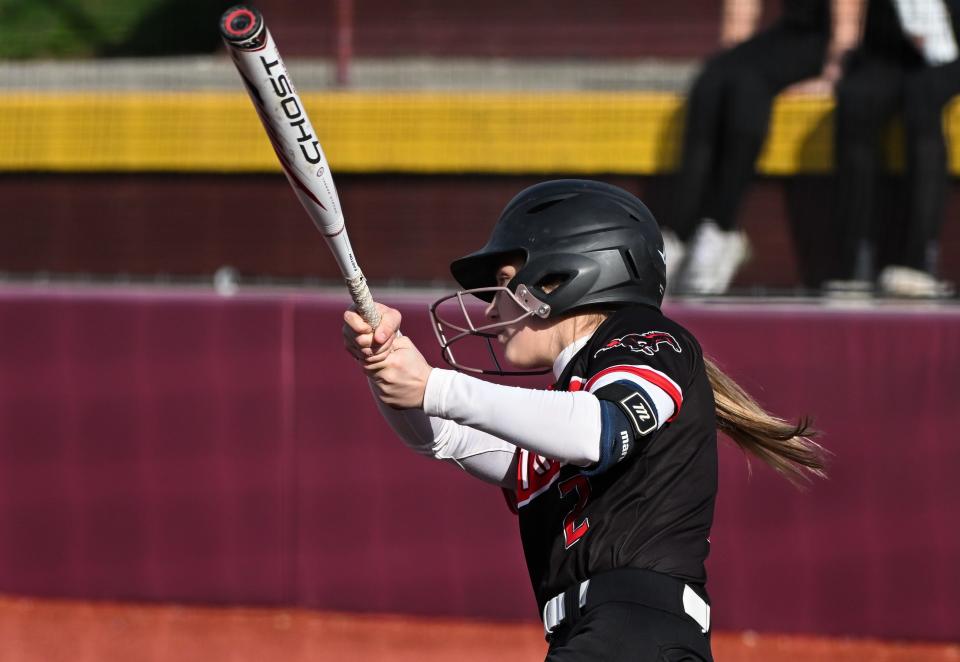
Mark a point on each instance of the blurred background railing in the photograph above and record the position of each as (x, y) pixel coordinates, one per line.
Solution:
(147, 159)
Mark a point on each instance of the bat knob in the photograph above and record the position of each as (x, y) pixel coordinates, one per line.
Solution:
(240, 23)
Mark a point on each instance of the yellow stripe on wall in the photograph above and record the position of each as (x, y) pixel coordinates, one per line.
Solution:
(416, 132)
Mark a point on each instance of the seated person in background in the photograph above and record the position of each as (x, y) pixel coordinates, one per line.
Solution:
(908, 64)
(728, 112)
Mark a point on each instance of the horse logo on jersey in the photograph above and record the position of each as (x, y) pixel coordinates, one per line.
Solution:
(648, 342)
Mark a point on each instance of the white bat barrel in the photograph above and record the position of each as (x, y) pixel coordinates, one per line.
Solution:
(288, 127)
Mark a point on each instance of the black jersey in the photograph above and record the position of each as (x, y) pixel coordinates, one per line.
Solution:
(653, 509)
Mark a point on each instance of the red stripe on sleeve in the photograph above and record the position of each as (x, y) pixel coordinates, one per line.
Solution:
(648, 375)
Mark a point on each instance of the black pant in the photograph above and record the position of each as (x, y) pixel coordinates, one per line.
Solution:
(622, 631)
(875, 87)
(727, 116)
(630, 614)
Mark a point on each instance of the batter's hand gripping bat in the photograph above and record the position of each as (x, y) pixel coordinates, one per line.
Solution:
(285, 119)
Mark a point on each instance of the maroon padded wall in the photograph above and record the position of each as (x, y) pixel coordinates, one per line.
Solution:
(175, 445)
(405, 228)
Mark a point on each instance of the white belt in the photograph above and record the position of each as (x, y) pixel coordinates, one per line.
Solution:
(696, 608)
(555, 611)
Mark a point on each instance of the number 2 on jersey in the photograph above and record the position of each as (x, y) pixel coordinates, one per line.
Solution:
(572, 531)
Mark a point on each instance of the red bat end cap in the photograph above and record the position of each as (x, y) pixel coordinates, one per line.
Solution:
(240, 23)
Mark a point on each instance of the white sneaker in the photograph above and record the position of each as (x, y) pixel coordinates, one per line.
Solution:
(713, 259)
(673, 252)
(912, 283)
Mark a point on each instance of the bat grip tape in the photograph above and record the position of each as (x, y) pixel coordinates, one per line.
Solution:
(361, 296)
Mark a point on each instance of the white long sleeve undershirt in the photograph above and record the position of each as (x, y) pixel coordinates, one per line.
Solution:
(480, 454)
(556, 424)
(466, 421)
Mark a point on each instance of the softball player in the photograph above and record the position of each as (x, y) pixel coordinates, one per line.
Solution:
(613, 471)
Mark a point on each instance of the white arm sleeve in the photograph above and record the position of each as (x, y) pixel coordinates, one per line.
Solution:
(556, 424)
(480, 454)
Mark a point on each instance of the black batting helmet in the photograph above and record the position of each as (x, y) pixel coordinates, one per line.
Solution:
(599, 242)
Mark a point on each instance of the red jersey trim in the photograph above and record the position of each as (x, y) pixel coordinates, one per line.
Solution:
(647, 374)
(535, 475)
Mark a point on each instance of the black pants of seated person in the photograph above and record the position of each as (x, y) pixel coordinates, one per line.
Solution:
(877, 86)
(727, 117)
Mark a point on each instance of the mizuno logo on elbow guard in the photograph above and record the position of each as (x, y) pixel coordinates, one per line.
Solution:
(640, 412)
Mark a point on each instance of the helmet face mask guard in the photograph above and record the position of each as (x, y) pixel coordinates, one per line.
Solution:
(592, 245)
(443, 326)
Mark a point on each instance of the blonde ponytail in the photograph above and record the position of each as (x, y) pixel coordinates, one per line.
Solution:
(785, 446)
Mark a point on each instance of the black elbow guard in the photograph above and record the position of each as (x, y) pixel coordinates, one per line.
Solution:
(628, 420)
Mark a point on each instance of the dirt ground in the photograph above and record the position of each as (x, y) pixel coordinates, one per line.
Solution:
(53, 631)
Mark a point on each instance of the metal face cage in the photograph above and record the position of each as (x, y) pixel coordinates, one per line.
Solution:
(450, 332)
